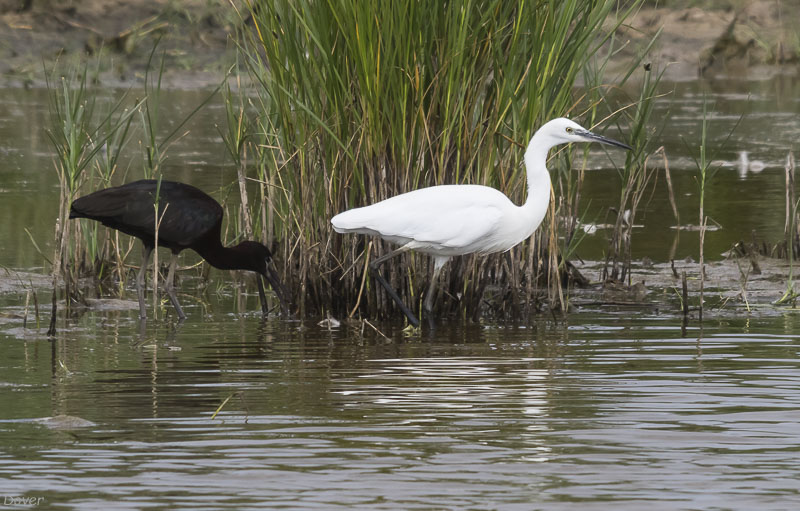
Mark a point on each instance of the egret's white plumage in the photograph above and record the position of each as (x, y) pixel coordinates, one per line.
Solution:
(451, 220)
(442, 220)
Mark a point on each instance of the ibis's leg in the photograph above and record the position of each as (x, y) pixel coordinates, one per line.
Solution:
(438, 263)
(373, 270)
(169, 287)
(140, 281)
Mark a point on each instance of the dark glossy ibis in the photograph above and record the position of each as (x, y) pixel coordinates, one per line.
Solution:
(188, 218)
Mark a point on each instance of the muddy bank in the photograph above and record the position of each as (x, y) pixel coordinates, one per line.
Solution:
(752, 40)
(733, 287)
(757, 39)
(12, 281)
(194, 36)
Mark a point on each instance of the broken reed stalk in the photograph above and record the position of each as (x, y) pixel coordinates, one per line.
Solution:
(25, 313)
(684, 294)
(36, 306)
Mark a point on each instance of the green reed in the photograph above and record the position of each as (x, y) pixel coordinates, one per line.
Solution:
(356, 102)
(705, 159)
(81, 129)
(89, 135)
(636, 176)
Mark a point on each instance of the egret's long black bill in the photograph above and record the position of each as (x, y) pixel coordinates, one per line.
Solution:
(603, 140)
(271, 276)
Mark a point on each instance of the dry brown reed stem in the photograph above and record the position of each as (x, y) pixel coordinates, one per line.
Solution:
(508, 269)
(245, 204)
(59, 251)
(619, 255)
(121, 257)
(553, 277)
(671, 191)
(36, 306)
(668, 177)
(744, 276)
(791, 233)
(685, 294)
(25, 313)
(703, 225)
(247, 217)
(376, 330)
(531, 272)
(363, 281)
(157, 225)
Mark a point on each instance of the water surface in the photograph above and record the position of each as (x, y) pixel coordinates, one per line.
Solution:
(603, 412)
(607, 410)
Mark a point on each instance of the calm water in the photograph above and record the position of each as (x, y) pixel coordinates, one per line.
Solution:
(612, 410)
(608, 412)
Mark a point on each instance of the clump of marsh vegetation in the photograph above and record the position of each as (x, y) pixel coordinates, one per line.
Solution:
(354, 103)
(89, 132)
(340, 104)
(636, 178)
(81, 130)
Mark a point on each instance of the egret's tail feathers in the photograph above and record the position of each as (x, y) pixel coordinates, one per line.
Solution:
(348, 221)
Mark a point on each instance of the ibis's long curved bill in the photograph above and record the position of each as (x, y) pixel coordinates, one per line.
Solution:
(271, 276)
(593, 137)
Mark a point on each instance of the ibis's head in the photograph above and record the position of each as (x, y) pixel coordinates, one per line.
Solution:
(563, 131)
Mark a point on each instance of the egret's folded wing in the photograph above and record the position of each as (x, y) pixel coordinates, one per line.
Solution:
(455, 217)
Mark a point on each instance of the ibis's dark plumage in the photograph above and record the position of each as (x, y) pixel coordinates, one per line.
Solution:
(189, 218)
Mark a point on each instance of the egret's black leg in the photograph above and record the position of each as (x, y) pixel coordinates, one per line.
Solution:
(373, 270)
(169, 287)
(140, 281)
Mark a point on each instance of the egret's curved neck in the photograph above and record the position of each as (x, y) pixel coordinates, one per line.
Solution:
(538, 180)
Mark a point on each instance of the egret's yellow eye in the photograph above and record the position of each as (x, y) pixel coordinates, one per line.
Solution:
(569, 130)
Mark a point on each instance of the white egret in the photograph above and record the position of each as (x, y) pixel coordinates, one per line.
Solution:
(450, 220)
